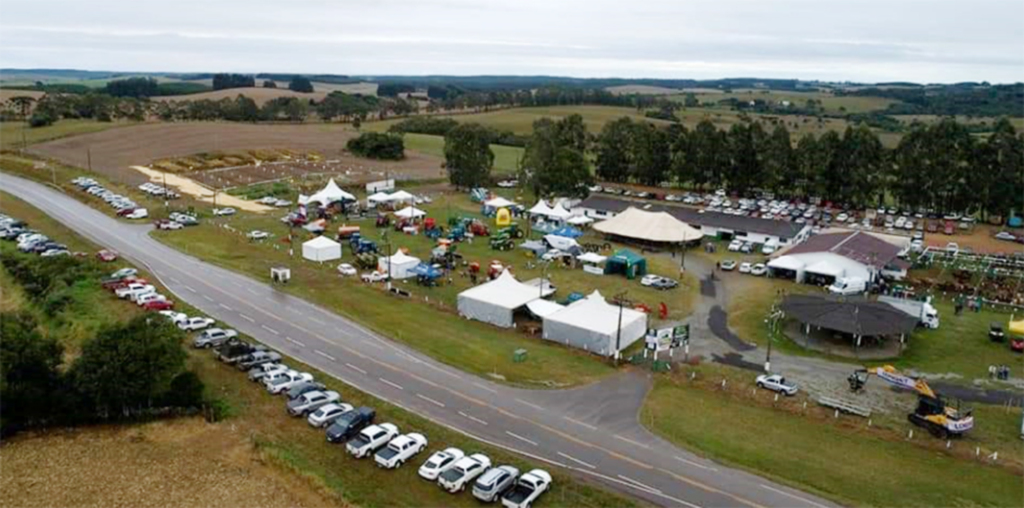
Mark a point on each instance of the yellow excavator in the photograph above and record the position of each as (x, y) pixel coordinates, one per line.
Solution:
(942, 417)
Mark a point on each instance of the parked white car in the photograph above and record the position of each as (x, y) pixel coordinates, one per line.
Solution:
(213, 337)
(143, 299)
(399, 450)
(173, 316)
(325, 414)
(346, 269)
(370, 439)
(195, 323)
(759, 269)
(284, 384)
(776, 383)
(134, 288)
(311, 401)
(745, 267)
(735, 245)
(138, 213)
(529, 487)
(258, 235)
(440, 462)
(224, 211)
(267, 370)
(495, 482)
(463, 472)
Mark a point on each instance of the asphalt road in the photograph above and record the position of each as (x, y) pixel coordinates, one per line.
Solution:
(592, 431)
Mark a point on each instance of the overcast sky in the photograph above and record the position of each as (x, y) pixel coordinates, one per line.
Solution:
(855, 40)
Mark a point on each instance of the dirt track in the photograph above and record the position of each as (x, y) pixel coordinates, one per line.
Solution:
(114, 152)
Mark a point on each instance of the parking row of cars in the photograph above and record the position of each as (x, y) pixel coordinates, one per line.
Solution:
(29, 240)
(157, 190)
(123, 204)
(357, 429)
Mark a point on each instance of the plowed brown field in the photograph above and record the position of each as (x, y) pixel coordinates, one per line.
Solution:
(114, 152)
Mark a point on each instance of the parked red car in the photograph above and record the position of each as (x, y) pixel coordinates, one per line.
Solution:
(1017, 345)
(126, 211)
(158, 305)
(107, 255)
(113, 285)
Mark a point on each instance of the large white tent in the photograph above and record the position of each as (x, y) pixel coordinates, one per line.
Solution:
(495, 301)
(410, 212)
(321, 249)
(499, 202)
(541, 208)
(401, 197)
(649, 226)
(592, 324)
(555, 214)
(377, 198)
(331, 193)
(401, 265)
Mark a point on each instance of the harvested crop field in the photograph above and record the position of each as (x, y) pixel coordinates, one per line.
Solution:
(113, 153)
(260, 95)
(183, 462)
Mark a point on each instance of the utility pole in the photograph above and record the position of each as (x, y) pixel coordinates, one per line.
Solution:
(620, 300)
(387, 242)
(166, 203)
(774, 317)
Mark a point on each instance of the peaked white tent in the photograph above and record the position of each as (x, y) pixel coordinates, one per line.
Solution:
(377, 198)
(541, 208)
(330, 194)
(321, 249)
(401, 264)
(401, 197)
(562, 243)
(580, 220)
(410, 212)
(648, 226)
(592, 324)
(560, 213)
(495, 301)
(499, 202)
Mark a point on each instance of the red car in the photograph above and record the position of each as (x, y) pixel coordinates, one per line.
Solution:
(107, 256)
(113, 285)
(126, 211)
(158, 305)
(1017, 345)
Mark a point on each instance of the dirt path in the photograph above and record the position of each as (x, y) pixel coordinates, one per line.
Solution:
(190, 187)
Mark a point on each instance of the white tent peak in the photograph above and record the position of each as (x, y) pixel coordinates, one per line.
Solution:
(400, 196)
(650, 226)
(499, 202)
(321, 241)
(330, 194)
(541, 208)
(410, 212)
(560, 212)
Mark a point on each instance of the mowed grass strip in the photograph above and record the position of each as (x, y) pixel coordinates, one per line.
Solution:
(851, 466)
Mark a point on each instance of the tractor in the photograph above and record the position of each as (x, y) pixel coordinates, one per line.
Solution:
(362, 246)
(502, 242)
(512, 230)
(457, 234)
(383, 221)
(479, 229)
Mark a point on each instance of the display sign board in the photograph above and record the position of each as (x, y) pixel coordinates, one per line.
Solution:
(381, 186)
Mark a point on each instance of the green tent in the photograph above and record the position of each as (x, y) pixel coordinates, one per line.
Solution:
(627, 263)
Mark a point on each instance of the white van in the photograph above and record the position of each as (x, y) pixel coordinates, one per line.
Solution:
(848, 286)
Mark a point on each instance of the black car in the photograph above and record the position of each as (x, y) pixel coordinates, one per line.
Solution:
(301, 388)
(349, 424)
(996, 333)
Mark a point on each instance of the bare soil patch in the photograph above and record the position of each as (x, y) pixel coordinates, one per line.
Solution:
(114, 153)
(184, 462)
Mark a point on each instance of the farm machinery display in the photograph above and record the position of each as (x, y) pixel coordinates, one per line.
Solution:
(940, 416)
(360, 245)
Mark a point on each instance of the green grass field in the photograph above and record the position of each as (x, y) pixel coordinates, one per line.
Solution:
(289, 441)
(831, 103)
(839, 459)
(14, 135)
(520, 120)
(506, 158)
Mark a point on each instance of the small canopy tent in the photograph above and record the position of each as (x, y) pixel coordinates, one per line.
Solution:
(592, 324)
(321, 249)
(377, 198)
(592, 262)
(401, 197)
(496, 301)
(499, 202)
(331, 194)
(537, 247)
(410, 212)
(540, 209)
(655, 227)
(401, 263)
(580, 220)
(626, 262)
(563, 244)
(560, 213)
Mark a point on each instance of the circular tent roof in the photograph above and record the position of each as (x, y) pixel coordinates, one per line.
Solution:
(855, 316)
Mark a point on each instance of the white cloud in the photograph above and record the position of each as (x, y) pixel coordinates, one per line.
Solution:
(867, 40)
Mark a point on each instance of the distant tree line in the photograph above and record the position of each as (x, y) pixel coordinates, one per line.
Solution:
(225, 81)
(964, 99)
(940, 167)
(125, 371)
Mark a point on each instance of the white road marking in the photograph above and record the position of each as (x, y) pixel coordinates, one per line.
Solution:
(247, 318)
(208, 298)
(325, 355)
(269, 329)
(190, 289)
(315, 320)
(692, 463)
(535, 406)
(385, 381)
(374, 344)
(630, 441)
(226, 307)
(430, 400)
(640, 485)
(357, 369)
(176, 281)
(521, 438)
(252, 291)
(808, 501)
(578, 461)
(577, 422)
(485, 388)
(293, 341)
(475, 419)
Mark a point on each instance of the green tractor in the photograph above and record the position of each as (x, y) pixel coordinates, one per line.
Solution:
(502, 241)
(512, 230)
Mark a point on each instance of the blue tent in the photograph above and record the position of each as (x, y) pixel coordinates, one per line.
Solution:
(568, 232)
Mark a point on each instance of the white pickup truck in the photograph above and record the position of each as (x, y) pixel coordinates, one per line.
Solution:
(134, 289)
(527, 489)
(195, 323)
